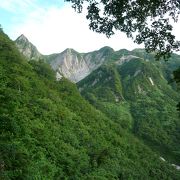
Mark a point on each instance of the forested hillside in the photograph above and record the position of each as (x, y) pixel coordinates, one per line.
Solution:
(136, 94)
(48, 131)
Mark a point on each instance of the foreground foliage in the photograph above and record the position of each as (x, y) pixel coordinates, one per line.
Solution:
(148, 22)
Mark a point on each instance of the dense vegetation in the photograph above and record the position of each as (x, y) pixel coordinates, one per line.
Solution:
(138, 97)
(48, 131)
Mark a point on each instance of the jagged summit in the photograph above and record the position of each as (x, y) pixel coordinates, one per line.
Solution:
(27, 48)
(69, 50)
(22, 37)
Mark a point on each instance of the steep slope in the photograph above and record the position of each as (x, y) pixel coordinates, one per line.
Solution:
(104, 83)
(71, 65)
(75, 66)
(48, 131)
(27, 48)
(153, 106)
(148, 106)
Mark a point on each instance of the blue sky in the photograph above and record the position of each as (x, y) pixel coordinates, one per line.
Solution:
(52, 26)
(16, 12)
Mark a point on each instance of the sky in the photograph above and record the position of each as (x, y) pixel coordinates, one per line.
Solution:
(53, 25)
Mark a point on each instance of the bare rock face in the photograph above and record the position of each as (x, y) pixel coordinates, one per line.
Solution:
(27, 48)
(76, 66)
(71, 65)
(124, 59)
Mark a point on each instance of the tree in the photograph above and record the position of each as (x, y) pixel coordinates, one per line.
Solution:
(177, 80)
(146, 21)
(1, 29)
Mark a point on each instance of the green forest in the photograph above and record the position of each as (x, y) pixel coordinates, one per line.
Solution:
(48, 130)
(125, 94)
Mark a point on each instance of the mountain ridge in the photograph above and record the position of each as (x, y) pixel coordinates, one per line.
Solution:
(76, 66)
(69, 63)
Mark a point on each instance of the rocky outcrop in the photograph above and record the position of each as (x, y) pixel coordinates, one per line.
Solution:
(71, 65)
(127, 58)
(27, 48)
(76, 66)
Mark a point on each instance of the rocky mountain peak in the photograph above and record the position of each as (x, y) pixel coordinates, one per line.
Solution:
(22, 37)
(27, 48)
(70, 51)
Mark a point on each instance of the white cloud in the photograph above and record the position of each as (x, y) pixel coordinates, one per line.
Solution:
(55, 29)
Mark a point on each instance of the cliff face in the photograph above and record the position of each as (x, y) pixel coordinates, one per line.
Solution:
(76, 66)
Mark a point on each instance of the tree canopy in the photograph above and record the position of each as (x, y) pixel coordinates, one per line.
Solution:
(146, 21)
(177, 80)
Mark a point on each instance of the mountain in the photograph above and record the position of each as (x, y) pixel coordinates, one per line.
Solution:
(75, 66)
(49, 131)
(69, 63)
(27, 48)
(136, 94)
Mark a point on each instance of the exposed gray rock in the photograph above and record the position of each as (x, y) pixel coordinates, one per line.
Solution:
(150, 79)
(95, 81)
(76, 66)
(137, 72)
(124, 59)
(27, 48)
(161, 158)
(176, 166)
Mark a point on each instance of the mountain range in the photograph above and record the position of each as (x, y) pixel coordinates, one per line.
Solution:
(75, 66)
(69, 63)
(100, 115)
